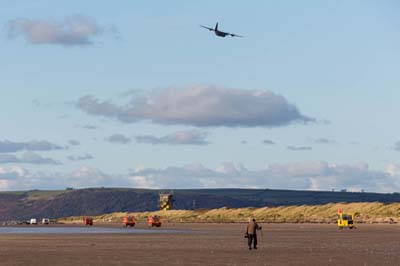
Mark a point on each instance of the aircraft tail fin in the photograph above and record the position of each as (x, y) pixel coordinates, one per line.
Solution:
(216, 26)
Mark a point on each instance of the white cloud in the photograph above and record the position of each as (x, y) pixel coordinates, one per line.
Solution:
(89, 127)
(9, 175)
(142, 182)
(324, 141)
(118, 138)
(396, 146)
(191, 137)
(268, 142)
(303, 175)
(75, 30)
(74, 142)
(201, 106)
(17, 178)
(33, 145)
(80, 157)
(34, 158)
(393, 169)
(299, 148)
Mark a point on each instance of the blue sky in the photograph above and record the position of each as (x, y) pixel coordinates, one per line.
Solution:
(335, 63)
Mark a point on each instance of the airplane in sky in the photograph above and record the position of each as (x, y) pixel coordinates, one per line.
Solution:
(221, 33)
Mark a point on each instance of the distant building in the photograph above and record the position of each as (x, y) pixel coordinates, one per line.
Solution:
(343, 190)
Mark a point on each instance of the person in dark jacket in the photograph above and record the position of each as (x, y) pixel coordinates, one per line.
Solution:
(251, 233)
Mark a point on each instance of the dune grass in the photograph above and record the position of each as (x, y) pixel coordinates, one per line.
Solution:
(365, 213)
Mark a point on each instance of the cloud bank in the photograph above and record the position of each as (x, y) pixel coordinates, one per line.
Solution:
(74, 142)
(118, 138)
(80, 157)
(16, 178)
(33, 145)
(27, 158)
(201, 106)
(324, 141)
(192, 137)
(299, 148)
(304, 175)
(396, 146)
(268, 142)
(75, 30)
(317, 175)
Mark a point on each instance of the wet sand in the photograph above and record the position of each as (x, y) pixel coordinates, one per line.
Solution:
(210, 244)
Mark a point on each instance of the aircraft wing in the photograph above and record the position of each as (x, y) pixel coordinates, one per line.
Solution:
(235, 35)
(210, 29)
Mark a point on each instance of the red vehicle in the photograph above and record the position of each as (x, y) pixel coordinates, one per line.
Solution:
(88, 221)
(154, 221)
(129, 221)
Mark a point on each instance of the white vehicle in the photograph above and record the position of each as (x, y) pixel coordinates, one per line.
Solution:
(33, 221)
(45, 221)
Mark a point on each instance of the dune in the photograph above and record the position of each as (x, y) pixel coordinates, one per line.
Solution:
(365, 213)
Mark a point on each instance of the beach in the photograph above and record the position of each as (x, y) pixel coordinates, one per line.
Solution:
(207, 244)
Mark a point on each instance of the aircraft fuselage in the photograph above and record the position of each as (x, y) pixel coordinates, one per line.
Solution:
(220, 33)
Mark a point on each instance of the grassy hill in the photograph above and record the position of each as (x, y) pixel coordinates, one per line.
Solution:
(23, 205)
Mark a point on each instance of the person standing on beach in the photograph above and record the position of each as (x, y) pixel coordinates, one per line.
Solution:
(251, 233)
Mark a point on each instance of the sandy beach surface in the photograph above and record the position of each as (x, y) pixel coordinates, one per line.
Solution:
(208, 244)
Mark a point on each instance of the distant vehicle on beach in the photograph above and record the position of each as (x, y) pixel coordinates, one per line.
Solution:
(129, 221)
(154, 221)
(88, 221)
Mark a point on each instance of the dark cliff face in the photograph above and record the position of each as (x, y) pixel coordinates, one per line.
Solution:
(96, 201)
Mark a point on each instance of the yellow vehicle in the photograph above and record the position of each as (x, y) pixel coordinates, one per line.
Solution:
(345, 220)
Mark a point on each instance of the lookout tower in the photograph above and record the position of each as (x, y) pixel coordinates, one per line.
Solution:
(166, 201)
